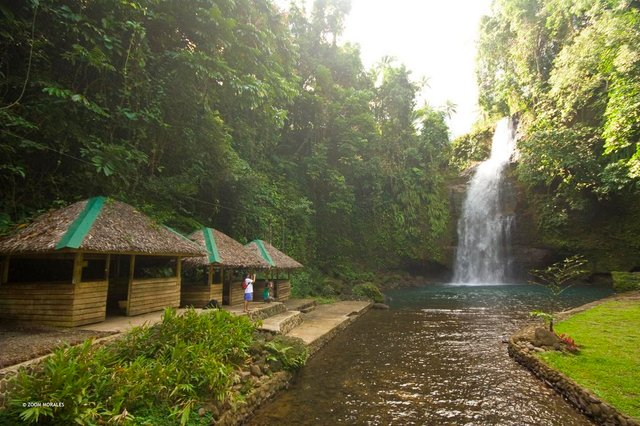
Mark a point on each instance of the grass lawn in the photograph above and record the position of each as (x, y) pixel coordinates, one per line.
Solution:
(609, 359)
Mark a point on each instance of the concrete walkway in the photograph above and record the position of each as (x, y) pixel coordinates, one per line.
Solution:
(318, 326)
(121, 323)
(321, 324)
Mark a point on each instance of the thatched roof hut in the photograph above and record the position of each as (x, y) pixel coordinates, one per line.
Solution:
(98, 225)
(274, 257)
(223, 250)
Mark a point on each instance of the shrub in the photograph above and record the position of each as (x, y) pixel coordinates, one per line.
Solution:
(167, 367)
(301, 284)
(328, 290)
(306, 283)
(370, 291)
(547, 317)
(625, 281)
(290, 351)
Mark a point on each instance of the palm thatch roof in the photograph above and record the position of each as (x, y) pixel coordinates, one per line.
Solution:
(223, 250)
(98, 225)
(272, 255)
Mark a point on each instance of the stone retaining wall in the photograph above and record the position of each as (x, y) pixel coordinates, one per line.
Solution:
(243, 410)
(33, 364)
(7, 373)
(523, 352)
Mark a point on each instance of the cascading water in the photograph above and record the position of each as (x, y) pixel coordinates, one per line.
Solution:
(484, 231)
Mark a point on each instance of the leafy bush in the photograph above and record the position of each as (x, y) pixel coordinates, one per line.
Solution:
(546, 317)
(625, 281)
(370, 291)
(290, 351)
(561, 275)
(168, 367)
(301, 284)
(471, 147)
(306, 283)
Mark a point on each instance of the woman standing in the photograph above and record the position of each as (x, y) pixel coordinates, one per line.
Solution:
(247, 285)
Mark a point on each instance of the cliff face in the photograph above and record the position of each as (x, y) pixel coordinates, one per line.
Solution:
(527, 250)
(607, 233)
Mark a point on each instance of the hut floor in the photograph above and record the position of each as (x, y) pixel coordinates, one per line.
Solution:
(21, 342)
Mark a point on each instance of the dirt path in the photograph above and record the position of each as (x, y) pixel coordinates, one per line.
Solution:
(22, 342)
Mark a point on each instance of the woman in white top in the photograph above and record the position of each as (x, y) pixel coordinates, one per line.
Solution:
(247, 285)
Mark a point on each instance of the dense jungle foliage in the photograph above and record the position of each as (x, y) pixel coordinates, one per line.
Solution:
(227, 113)
(571, 71)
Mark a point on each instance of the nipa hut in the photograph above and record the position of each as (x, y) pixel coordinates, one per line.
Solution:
(71, 266)
(279, 263)
(216, 276)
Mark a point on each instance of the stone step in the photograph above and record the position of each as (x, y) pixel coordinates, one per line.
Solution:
(302, 305)
(261, 311)
(282, 323)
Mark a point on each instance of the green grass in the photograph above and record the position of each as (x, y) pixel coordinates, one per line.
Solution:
(609, 359)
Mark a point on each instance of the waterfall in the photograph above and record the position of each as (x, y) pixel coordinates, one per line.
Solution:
(484, 230)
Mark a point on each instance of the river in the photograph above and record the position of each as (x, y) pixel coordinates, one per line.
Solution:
(436, 357)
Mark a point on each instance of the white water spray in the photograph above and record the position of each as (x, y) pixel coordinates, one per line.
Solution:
(484, 231)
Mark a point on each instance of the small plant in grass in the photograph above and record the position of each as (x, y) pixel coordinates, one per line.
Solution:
(561, 275)
(558, 278)
(548, 318)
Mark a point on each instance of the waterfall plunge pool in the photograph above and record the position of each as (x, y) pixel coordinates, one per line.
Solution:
(436, 357)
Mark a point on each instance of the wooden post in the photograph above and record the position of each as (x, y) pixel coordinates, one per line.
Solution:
(107, 268)
(77, 269)
(179, 272)
(210, 278)
(5, 270)
(132, 264)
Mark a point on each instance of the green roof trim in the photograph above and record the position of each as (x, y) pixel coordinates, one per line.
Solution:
(264, 253)
(212, 248)
(80, 227)
(179, 234)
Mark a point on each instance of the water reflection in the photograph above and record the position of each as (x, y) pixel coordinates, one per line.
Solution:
(436, 357)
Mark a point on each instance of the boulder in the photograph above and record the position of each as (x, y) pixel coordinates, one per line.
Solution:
(545, 338)
(380, 306)
(255, 370)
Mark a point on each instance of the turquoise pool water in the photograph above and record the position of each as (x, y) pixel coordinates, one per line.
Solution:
(436, 357)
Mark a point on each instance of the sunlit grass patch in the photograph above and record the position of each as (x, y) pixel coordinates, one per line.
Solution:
(608, 363)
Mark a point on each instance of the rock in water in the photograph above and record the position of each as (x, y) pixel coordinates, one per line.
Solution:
(380, 306)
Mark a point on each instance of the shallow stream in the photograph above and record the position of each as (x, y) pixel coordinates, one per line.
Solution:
(437, 357)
